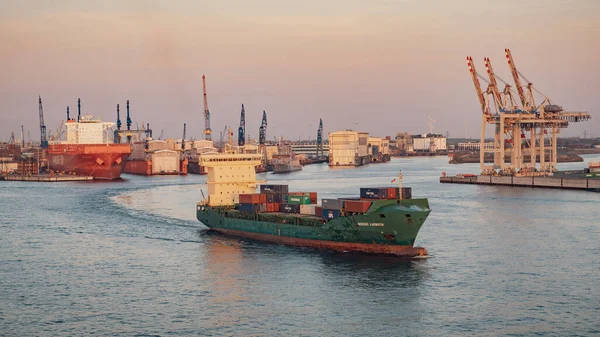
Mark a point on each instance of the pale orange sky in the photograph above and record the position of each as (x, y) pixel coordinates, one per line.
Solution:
(383, 64)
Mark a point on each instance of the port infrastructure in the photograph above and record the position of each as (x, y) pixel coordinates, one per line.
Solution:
(513, 115)
(207, 130)
(129, 133)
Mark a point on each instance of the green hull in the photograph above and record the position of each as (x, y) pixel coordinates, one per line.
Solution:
(387, 227)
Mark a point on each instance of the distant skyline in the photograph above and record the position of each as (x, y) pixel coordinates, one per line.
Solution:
(377, 66)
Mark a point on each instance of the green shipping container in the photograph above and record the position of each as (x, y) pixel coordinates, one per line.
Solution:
(298, 199)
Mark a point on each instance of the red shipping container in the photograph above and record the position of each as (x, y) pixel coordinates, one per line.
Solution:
(357, 206)
(272, 207)
(313, 197)
(297, 194)
(393, 193)
(318, 210)
(253, 198)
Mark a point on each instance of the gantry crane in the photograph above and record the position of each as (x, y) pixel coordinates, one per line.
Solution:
(242, 128)
(43, 139)
(510, 120)
(207, 130)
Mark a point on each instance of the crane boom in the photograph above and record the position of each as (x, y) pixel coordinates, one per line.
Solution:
(476, 83)
(43, 139)
(515, 74)
(494, 84)
(207, 130)
(242, 128)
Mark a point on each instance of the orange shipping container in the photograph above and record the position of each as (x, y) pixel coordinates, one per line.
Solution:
(357, 206)
(253, 198)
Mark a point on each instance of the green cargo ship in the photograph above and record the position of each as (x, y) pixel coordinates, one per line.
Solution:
(388, 226)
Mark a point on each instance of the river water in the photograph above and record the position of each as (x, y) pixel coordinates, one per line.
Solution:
(129, 258)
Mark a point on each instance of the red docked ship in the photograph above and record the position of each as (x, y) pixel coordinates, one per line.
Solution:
(101, 161)
(88, 150)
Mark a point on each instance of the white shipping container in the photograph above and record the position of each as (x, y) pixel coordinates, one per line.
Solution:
(165, 161)
(308, 209)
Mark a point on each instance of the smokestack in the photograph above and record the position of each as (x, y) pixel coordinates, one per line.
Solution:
(78, 109)
(68, 113)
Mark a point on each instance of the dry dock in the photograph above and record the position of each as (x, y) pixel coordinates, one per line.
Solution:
(44, 178)
(572, 183)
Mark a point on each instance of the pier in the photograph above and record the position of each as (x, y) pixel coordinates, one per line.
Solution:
(577, 183)
(45, 178)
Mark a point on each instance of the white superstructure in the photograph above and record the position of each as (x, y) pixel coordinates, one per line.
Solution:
(230, 175)
(88, 131)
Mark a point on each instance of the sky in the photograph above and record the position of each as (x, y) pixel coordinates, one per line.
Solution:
(380, 66)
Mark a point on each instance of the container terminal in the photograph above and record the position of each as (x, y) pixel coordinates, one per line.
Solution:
(521, 127)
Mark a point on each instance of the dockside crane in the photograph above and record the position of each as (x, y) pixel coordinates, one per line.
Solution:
(68, 117)
(262, 131)
(262, 138)
(117, 136)
(78, 110)
(128, 124)
(242, 128)
(527, 101)
(320, 139)
(22, 137)
(480, 93)
(183, 140)
(207, 130)
(43, 139)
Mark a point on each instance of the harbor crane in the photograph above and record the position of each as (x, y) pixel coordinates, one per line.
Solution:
(22, 137)
(183, 140)
(11, 140)
(118, 119)
(207, 130)
(43, 139)
(510, 120)
(262, 138)
(128, 124)
(78, 110)
(320, 140)
(118, 133)
(242, 128)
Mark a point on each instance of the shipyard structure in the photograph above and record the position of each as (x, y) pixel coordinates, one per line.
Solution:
(354, 148)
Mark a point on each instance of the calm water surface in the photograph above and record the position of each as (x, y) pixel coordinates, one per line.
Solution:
(129, 258)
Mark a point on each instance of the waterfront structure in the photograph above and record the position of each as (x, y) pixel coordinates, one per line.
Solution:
(348, 148)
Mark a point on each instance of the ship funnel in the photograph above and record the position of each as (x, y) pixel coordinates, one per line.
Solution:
(78, 109)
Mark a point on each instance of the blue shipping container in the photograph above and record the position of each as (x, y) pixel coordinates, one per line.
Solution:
(331, 213)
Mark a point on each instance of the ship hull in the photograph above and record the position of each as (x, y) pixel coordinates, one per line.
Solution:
(141, 167)
(389, 227)
(286, 168)
(101, 161)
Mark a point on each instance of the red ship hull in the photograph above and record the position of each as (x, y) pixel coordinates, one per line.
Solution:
(101, 161)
